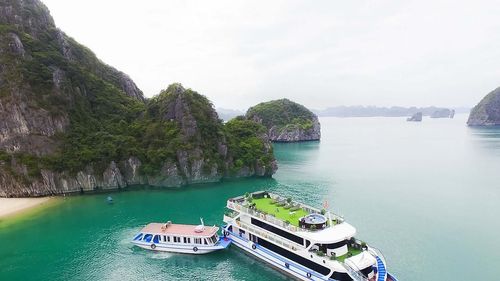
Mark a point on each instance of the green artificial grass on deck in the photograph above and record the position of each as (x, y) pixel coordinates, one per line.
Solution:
(265, 205)
(351, 250)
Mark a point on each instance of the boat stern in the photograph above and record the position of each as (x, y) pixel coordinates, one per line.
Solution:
(224, 242)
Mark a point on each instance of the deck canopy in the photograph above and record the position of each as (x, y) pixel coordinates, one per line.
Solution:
(331, 234)
(179, 230)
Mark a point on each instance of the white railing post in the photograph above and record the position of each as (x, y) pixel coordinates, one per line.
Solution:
(356, 275)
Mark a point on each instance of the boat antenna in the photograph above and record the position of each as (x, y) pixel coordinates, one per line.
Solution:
(325, 206)
(201, 227)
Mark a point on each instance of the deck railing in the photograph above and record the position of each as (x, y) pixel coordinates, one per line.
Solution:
(267, 217)
(377, 253)
(275, 221)
(355, 274)
(272, 237)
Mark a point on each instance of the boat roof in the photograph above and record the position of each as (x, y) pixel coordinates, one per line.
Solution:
(363, 260)
(330, 234)
(179, 229)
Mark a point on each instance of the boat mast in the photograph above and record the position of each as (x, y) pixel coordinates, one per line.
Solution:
(325, 206)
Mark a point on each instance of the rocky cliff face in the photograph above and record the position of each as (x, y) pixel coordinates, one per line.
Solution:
(296, 132)
(487, 112)
(286, 121)
(70, 123)
(33, 90)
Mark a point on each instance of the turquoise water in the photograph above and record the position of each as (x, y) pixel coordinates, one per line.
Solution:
(427, 194)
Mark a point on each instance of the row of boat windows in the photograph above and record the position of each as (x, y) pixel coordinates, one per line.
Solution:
(339, 276)
(280, 232)
(177, 239)
(295, 238)
(292, 256)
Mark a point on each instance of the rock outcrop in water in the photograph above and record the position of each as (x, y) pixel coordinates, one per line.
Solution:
(443, 113)
(487, 112)
(417, 117)
(70, 123)
(375, 111)
(286, 121)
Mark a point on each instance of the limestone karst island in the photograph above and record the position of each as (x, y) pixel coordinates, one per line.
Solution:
(286, 121)
(71, 123)
(249, 140)
(487, 111)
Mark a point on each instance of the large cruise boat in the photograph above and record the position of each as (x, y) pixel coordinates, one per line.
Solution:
(302, 241)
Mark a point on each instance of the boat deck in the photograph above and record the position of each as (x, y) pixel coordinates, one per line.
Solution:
(179, 229)
(270, 206)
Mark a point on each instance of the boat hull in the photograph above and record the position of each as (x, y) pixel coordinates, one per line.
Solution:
(184, 249)
(279, 262)
(294, 270)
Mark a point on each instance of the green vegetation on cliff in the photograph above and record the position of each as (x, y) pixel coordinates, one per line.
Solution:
(282, 113)
(100, 114)
(286, 121)
(76, 112)
(245, 143)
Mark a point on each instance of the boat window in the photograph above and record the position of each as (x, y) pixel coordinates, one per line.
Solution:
(197, 240)
(156, 239)
(340, 276)
(189, 240)
(177, 239)
(138, 237)
(164, 238)
(294, 257)
(367, 271)
(252, 237)
(148, 237)
(336, 245)
(205, 241)
(278, 231)
(185, 240)
(168, 238)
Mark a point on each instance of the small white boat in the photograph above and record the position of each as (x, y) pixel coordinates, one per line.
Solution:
(181, 238)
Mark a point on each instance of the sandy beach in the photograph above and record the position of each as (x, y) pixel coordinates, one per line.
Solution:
(11, 206)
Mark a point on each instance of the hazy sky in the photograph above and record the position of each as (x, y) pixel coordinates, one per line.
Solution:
(319, 53)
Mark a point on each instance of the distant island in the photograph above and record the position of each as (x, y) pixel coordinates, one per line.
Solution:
(228, 114)
(487, 111)
(70, 123)
(286, 121)
(443, 113)
(394, 111)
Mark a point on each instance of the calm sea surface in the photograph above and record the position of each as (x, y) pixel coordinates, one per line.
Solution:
(427, 194)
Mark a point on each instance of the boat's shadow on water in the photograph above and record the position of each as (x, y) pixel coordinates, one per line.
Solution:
(228, 260)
